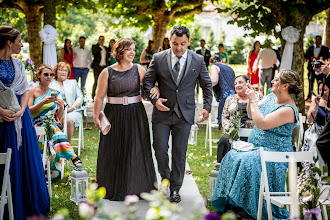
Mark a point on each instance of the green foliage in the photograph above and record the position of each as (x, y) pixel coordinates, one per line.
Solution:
(235, 125)
(15, 19)
(309, 41)
(238, 53)
(195, 35)
(222, 39)
(211, 42)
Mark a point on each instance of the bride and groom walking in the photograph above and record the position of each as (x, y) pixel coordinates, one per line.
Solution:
(125, 164)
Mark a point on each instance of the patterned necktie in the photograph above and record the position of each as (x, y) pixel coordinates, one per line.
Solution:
(176, 69)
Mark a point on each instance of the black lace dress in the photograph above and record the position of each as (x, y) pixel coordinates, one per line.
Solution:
(124, 164)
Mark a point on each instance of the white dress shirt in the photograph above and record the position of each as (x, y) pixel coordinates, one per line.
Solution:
(317, 50)
(182, 61)
(82, 58)
(203, 50)
(103, 61)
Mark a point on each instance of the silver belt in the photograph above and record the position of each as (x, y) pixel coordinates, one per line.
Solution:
(124, 100)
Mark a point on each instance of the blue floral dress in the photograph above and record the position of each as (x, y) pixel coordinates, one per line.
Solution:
(238, 181)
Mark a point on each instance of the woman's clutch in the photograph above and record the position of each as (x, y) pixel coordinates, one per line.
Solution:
(105, 124)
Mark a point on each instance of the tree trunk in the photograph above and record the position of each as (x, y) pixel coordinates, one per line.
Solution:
(33, 23)
(50, 13)
(159, 30)
(326, 34)
(298, 54)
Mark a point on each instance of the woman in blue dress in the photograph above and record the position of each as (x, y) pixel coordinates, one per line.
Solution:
(28, 183)
(274, 117)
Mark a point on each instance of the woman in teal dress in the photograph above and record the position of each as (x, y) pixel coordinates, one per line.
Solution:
(274, 117)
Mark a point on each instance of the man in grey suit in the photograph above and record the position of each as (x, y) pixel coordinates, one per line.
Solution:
(176, 70)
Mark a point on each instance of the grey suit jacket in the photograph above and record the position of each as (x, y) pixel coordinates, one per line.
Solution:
(183, 93)
(72, 91)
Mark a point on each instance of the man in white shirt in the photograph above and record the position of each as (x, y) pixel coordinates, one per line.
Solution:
(265, 61)
(204, 52)
(101, 55)
(82, 61)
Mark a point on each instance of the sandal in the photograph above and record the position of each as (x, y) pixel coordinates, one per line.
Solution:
(76, 160)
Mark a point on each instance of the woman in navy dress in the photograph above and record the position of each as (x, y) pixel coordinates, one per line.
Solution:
(28, 183)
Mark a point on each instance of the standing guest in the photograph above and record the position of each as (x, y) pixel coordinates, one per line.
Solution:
(176, 72)
(71, 95)
(28, 184)
(147, 54)
(67, 55)
(166, 45)
(82, 61)
(265, 61)
(323, 140)
(315, 51)
(223, 55)
(111, 60)
(222, 77)
(275, 117)
(124, 163)
(43, 103)
(205, 53)
(101, 55)
(232, 106)
(253, 75)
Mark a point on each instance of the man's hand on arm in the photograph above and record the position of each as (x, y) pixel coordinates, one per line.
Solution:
(159, 105)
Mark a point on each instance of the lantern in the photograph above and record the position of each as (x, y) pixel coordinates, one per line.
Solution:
(193, 135)
(213, 178)
(79, 184)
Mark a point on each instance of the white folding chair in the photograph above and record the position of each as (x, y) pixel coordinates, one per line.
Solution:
(244, 132)
(275, 197)
(45, 160)
(80, 138)
(209, 125)
(6, 196)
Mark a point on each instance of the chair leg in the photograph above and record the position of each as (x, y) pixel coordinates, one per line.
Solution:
(206, 134)
(10, 201)
(324, 210)
(79, 140)
(261, 197)
(62, 167)
(49, 179)
(82, 135)
(210, 134)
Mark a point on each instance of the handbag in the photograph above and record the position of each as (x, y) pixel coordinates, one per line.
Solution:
(8, 100)
(105, 124)
(242, 146)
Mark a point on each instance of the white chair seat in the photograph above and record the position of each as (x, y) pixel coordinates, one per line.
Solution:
(6, 194)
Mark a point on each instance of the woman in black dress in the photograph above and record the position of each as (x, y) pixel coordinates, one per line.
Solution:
(124, 164)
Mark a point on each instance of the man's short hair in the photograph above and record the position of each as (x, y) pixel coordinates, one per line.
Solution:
(101, 36)
(220, 45)
(203, 40)
(318, 36)
(82, 37)
(179, 31)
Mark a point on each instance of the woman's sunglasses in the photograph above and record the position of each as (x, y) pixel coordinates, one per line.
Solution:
(48, 74)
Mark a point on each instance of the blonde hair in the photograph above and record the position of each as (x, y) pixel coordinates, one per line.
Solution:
(41, 68)
(61, 65)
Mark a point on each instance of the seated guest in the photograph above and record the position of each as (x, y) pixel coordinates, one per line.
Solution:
(233, 105)
(222, 77)
(46, 102)
(318, 108)
(71, 95)
(238, 182)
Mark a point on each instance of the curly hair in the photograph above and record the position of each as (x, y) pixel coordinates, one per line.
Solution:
(62, 65)
(41, 68)
(7, 33)
(119, 48)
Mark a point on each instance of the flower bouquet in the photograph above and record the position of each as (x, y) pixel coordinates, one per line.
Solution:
(29, 66)
(309, 188)
(235, 125)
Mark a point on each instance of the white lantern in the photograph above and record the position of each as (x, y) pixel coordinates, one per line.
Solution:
(213, 178)
(193, 135)
(79, 184)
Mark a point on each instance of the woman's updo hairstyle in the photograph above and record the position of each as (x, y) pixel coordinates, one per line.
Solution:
(120, 46)
(292, 78)
(7, 33)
